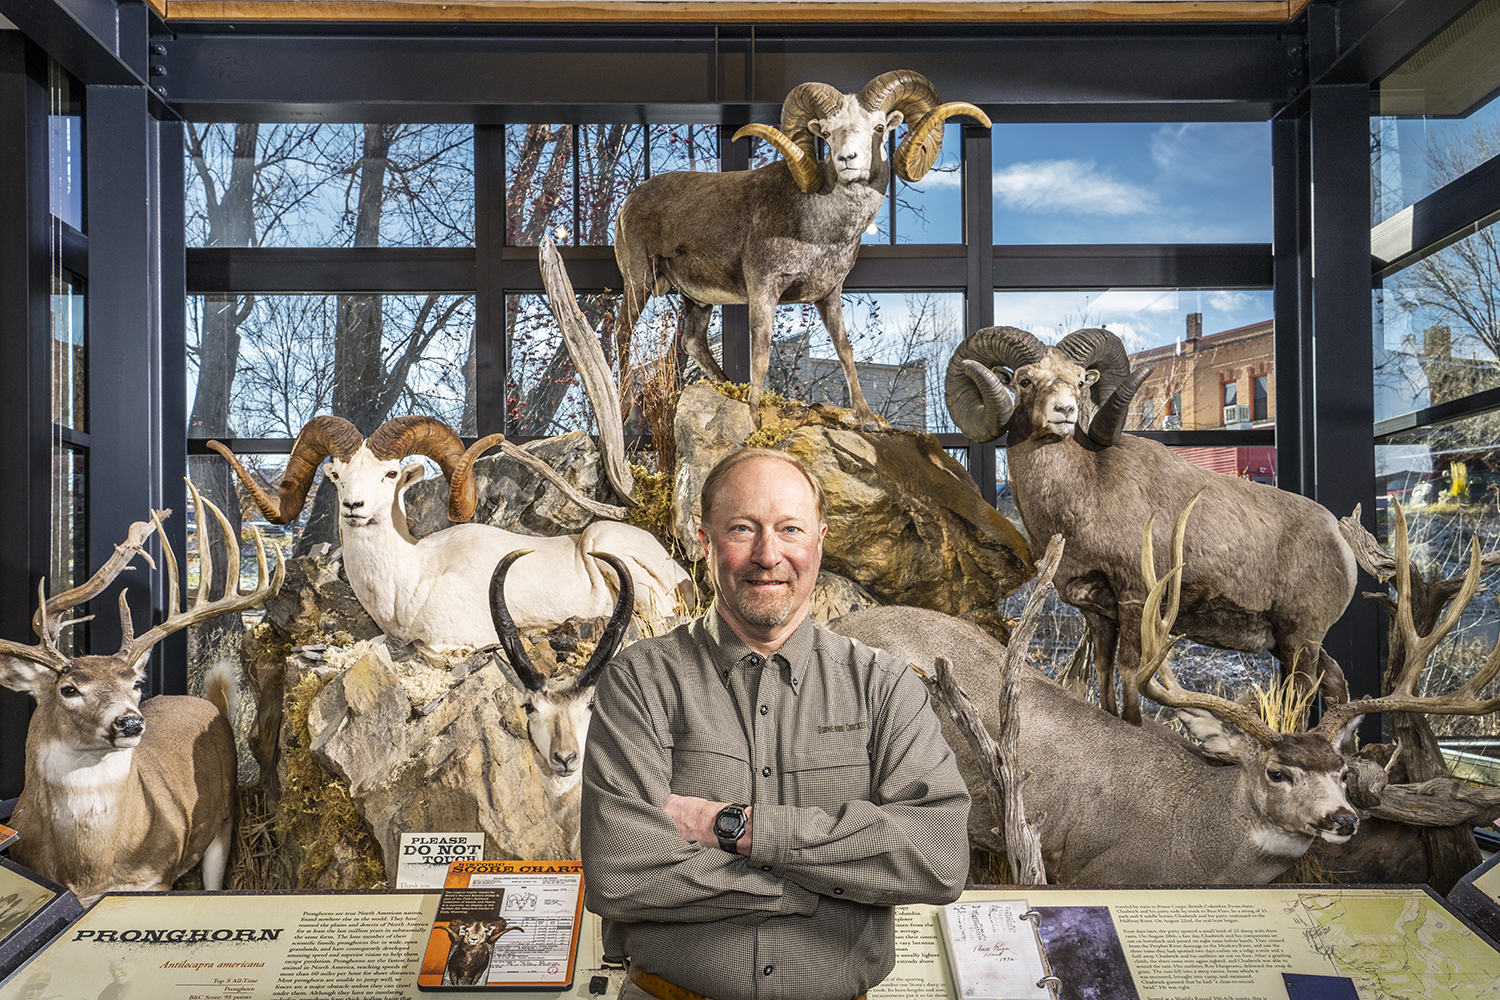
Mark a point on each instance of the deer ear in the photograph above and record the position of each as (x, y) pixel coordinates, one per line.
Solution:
(23, 675)
(1218, 738)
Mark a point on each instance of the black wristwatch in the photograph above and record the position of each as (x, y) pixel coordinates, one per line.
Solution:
(729, 827)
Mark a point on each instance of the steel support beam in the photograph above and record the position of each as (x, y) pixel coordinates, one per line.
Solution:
(1291, 161)
(126, 386)
(1363, 40)
(380, 72)
(1341, 350)
(26, 359)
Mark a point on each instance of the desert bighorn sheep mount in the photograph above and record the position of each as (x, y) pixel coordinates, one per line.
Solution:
(557, 715)
(1265, 569)
(783, 233)
(122, 794)
(433, 590)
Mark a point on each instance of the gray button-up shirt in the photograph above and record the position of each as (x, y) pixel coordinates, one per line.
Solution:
(859, 806)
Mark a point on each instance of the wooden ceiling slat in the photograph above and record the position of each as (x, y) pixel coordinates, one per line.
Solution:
(776, 11)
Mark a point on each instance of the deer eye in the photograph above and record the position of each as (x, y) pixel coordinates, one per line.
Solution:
(139, 685)
(1025, 383)
(68, 691)
(826, 133)
(879, 129)
(1277, 776)
(334, 476)
(529, 708)
(391, 474)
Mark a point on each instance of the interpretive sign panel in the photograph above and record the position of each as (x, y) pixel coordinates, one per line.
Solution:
(32, 910)
(1225, 943)
(257, 946)
(1477, 896)
(505, 925)
(1158, 944)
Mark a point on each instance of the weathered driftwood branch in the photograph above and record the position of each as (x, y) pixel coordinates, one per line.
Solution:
(588, 357)
(604, 510)
(1422, 792)
(998, 760)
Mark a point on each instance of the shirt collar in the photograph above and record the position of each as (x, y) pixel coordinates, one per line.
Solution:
(730, 649)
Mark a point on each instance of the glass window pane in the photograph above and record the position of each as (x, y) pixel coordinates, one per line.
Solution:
(262, 366)
(329, 185)
(611, 162)
(932, 210)
(538, 184)
(69, 354)
(1437, 331)
(70, 549)
(1447, 477)
(1165, 328)
(901, 343)
(1200, 182)
(65, 146)
(1438, 118)
(684, 147)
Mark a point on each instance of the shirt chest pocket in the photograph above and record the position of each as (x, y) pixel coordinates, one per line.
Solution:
(827, 775)
(710, 768)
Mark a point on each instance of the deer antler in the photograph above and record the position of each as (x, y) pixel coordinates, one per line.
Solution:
(133, 647)
(47, 622)
(1417, 648)
(1154, 678)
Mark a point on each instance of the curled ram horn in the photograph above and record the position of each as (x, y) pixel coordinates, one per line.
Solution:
(1117, 385)
(320, 438)
(924, 139)
(429, 436)
(913, 95)
(806, 170)
(978, 402)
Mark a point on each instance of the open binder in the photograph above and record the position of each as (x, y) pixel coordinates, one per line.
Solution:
(995, 951)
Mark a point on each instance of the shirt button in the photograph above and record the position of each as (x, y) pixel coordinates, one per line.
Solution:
(838, 892)
(764, 709)
(754, 660)
(765, 868)
(768, 969)
(765, 772)
(726, 675)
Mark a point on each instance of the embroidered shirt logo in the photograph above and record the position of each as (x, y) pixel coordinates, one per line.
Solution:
(848, 727)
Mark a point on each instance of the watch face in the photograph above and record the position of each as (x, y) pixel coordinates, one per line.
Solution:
(730, 823)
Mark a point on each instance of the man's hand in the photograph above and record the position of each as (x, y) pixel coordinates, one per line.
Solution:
(695, 820)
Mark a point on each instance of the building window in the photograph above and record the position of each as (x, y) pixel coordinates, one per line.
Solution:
(1148, 414)
(1259, 410)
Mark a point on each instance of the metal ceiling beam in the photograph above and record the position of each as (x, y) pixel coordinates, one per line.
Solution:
(101, 42)
(697, 74)
(1372, 37)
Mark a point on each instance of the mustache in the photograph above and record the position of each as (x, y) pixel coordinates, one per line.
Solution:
(773, 578)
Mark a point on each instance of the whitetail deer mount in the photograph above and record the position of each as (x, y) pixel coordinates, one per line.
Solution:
(121, 794)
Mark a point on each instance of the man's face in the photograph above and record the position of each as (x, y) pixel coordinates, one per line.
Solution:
(765, 544)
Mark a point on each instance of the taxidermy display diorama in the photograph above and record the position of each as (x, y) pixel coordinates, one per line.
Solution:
(433, 670)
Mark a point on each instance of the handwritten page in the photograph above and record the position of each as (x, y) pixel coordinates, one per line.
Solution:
(994, 951)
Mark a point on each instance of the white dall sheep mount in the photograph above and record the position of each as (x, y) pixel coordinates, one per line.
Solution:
(557, 714)
(433, 590)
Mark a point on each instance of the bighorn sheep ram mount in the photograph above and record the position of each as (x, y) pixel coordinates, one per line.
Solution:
(1264, 569)
(121, 794)
(435, 590)
(783, 233)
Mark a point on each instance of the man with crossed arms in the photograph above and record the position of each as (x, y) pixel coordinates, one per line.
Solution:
(759, 792)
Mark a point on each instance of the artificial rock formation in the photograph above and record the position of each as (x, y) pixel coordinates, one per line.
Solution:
(516, 497)
(905, 520)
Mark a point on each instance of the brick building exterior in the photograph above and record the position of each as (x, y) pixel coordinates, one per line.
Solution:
(1196, 378)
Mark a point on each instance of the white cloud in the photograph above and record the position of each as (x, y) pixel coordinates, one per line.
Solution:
(1232, 302)
(1068, 186)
